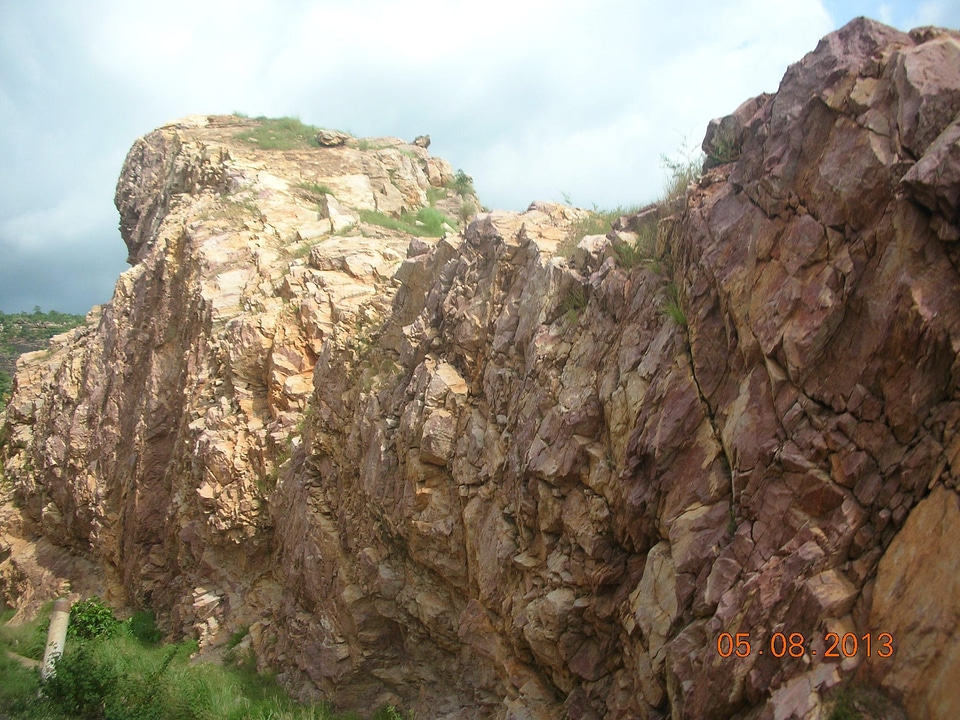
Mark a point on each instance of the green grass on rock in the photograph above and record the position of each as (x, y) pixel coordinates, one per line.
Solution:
(286, 133)
(426, 222)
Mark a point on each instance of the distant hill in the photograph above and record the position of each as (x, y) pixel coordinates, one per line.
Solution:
(25, 332)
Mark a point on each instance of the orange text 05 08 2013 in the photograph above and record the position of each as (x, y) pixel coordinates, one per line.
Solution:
(831, 646)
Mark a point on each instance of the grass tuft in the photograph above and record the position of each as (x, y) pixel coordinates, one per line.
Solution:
(682, 170)
(723, 151)
(467, 211)
(434, 194)
(596, 222)
(314, 188)
(573, 303)
(426, 222)
(672, 307)
(286, 133)
(237, 637)
(640, 252)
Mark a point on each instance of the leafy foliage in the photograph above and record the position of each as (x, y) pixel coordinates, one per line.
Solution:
(126, 675)
(462, 184)
(389, 712)
(18, 687)
(143, 627)
(6, 388)
(723, 151)
(434, 194)
(91, 619)
(84, 685)
(467, 210)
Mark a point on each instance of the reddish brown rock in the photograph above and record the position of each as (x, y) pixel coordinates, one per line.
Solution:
(915, 603)
(480, 479)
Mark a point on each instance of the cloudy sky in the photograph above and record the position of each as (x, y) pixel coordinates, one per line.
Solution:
(536, 99)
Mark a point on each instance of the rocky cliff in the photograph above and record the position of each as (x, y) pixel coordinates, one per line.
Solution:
(488, 475)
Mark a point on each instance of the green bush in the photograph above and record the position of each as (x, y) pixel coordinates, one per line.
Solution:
(143, 627)
(432, 220)
(18, 686)
(467, 210)
(91, 619)
(388, 712)
(462, 184)
(723, 151)
(6, 386)
(83, 686)
(122, 673)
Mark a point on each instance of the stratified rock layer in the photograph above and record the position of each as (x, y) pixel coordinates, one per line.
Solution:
(485, 476)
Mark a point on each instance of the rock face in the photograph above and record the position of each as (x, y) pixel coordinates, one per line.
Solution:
(482, 476)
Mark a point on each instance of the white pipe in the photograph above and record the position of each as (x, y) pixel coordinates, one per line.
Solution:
(56, 637)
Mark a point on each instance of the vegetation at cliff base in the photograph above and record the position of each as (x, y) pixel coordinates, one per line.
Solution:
(119, 670)
(25, 332)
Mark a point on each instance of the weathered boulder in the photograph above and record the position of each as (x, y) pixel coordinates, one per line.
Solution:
(332, 138)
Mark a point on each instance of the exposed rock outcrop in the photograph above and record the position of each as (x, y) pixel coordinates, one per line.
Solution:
(481, 476)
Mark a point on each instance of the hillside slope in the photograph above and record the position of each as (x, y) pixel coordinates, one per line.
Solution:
(27, 332)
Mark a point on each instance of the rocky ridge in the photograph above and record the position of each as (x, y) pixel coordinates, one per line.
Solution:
(485, 476)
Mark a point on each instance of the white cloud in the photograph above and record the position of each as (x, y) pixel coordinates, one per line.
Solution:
(531, 97)
(937, 13)
(66, 220)
(646, 99)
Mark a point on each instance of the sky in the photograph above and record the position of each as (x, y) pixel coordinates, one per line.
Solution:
(535, 99)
